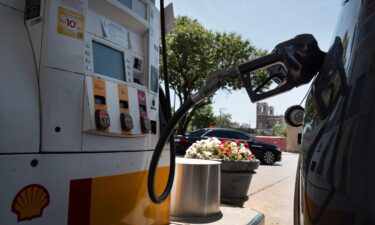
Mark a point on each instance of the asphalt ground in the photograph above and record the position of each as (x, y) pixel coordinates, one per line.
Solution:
(272, 190)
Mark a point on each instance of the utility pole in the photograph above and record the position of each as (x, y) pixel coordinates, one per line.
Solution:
(220, 117)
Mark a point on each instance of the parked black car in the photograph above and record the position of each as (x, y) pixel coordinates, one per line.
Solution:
(266, 153)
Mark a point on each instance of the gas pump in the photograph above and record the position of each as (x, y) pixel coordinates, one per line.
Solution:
(80, 112)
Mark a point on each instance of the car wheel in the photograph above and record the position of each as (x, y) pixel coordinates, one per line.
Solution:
(268, 157)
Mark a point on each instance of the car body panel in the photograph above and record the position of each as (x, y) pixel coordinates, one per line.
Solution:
(335, 182)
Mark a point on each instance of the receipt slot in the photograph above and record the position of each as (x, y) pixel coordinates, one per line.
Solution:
(145, 121)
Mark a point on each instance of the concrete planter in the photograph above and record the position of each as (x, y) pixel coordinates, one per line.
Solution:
(235, 181)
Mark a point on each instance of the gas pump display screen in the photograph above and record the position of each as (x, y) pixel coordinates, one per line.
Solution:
(108, 61)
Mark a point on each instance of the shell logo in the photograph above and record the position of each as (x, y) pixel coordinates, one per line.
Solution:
(30, 202)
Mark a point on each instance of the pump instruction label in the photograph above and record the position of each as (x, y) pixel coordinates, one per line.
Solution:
(70, 23)
(115, 33)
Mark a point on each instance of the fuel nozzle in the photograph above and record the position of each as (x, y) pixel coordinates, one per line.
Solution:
(292, 63)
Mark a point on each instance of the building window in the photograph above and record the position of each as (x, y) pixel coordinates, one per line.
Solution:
(299, 139)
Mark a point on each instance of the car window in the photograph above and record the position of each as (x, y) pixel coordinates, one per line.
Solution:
(197, 133)
(331, 80)
(231, 135)
(240, 136)
(218, 134)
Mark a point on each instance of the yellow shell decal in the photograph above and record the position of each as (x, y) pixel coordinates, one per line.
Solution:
(30, 202)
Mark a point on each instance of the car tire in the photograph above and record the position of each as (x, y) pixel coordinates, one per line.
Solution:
(268, 158)
(291, 116)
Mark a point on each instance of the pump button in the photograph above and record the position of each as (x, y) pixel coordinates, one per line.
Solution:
(126, 121)
(145, 124)
(102, 119)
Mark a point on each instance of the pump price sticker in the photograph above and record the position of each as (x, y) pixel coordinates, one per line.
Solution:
(70, 23)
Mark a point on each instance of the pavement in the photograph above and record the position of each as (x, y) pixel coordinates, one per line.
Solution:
(272, 190)
(229, 216)
(271, 195)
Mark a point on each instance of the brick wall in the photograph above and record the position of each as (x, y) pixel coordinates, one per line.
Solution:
(279, 141)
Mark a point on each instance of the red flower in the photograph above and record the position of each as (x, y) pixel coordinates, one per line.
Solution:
(237, 141)
(250, 156)
(223, 142)
(247, 145)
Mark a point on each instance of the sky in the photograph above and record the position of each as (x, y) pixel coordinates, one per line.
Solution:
(265, 23)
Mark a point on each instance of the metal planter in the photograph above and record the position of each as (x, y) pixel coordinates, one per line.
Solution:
(195, 196)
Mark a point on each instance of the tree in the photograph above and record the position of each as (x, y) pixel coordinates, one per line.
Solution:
(194, 53)
(203, 117)
(279, 130)
(224, 120)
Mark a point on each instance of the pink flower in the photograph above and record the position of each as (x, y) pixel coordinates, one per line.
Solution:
(251, 156)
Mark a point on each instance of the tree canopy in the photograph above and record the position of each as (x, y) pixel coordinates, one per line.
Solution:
(279, 130)
(194, 53)
(224, 120)
(203, 117)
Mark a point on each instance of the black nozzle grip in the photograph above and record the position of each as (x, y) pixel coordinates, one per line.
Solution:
(260, 62)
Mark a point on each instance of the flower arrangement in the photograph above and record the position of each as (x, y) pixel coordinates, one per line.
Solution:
(213, 148)
(237, 166)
